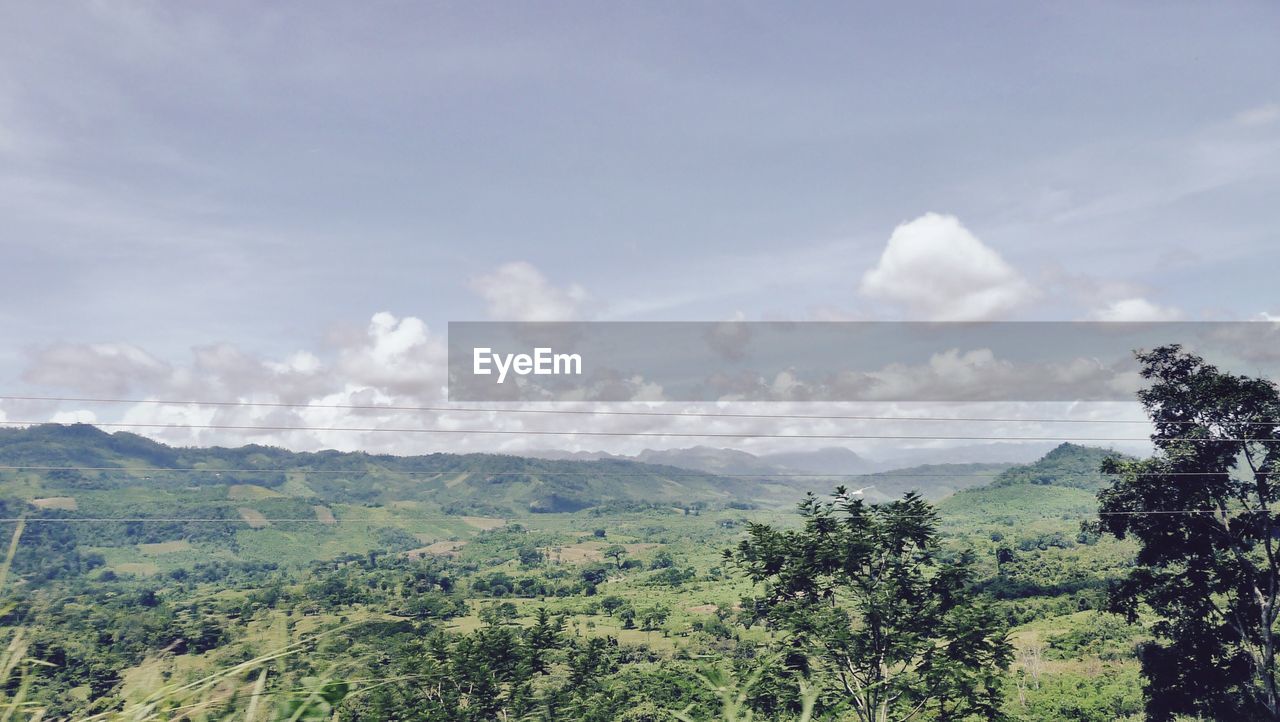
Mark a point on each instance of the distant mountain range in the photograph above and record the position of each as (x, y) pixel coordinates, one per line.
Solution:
(832, 461)
(491, 484)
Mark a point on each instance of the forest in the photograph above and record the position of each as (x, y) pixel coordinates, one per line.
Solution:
(146, 582)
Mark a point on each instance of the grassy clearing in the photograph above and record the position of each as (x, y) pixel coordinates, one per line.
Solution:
(169, 547)
(137, 569)
(251, 492)
(63, 503)
(324, 515)
(484, 523)
(253, 518)
(438, 549)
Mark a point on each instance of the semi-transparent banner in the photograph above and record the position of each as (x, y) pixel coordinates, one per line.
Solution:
(819, 361)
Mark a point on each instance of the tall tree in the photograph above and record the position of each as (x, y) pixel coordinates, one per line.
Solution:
(865, 592)
(1202, 510)
(545, 635)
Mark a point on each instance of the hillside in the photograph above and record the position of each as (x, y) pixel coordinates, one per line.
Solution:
(1051, 495)
(817, 470)
(1065, 480)
(192, 571)
(932, 481)
(1070, 465)
(456, 483)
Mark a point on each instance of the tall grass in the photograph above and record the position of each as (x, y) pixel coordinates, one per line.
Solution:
(232, 693)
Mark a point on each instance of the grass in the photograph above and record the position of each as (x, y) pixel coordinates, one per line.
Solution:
(62, 503)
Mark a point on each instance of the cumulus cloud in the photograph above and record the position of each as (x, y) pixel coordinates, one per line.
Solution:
(518, 291)
(399, 356)
(949, 376)
(1135, 310)
(399, 361)
(938, 269)
(82, 416)
(98, 368)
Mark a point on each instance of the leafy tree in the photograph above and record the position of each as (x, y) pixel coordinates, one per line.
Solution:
(653, 617)
(662, 560)
(531, 557)
(612, 603)
(865, 592)
(1004, 555)
(628, 617)
(616, 553)
(498, 614)
(1202, 510)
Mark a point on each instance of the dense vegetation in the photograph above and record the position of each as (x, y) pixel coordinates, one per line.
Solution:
(624, 609)
(374, 588)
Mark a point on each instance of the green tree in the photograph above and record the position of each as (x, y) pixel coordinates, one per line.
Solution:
(865, 593)
(612, 603)
(628, 617)
(653, 617)
(530, 557)
(616, 553)
(1202, 510)
(544, 636)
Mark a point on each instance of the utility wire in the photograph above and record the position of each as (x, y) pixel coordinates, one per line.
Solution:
(584, 412)
(592, 474)
(658, 434)
(392, 520)
(601, 412)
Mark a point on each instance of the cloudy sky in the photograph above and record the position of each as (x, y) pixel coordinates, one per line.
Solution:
(243, 202)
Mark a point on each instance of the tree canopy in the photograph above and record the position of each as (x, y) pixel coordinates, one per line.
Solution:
(866, 594)
(1202, 510)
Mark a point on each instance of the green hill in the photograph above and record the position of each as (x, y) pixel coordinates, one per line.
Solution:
(1063, 484)
(1068, 465)
(452, 483)
(138, 506)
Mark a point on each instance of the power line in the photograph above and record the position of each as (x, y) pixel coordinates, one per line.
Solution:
(584, 412)
(604, 412)
(481, 472)
(659, 434)
(393, 520)
(593, 474)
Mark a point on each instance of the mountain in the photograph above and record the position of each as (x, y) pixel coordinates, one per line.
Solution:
(993, 453)
(1069, 465)
(98, 462)
(835, 460)
(818, 471)
(489, 484)
(708, 459)
(1063, 484)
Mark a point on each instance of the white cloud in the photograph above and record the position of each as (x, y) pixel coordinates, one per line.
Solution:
(936, 268)
(110, 368)
(396, 356)
(74, 417)
(1262, 115)
(1135, 309)
(398, 361)
(518, 291)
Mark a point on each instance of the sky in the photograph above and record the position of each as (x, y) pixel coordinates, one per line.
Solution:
(289, 202)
